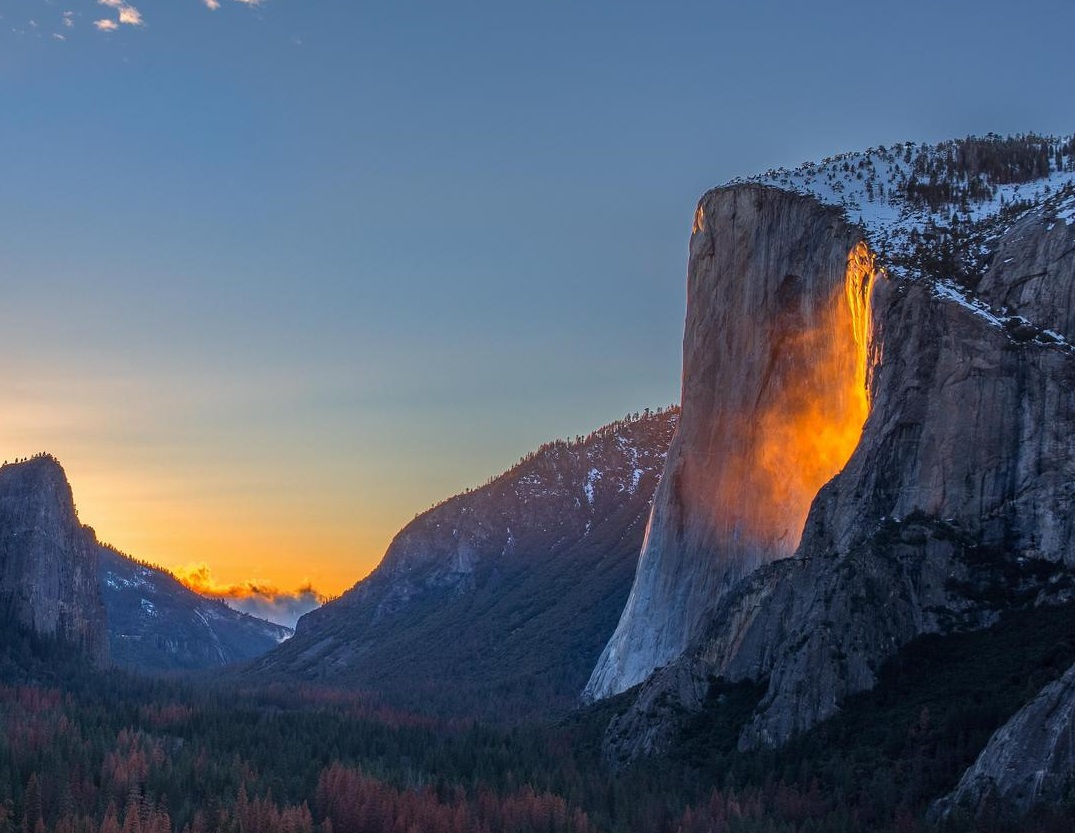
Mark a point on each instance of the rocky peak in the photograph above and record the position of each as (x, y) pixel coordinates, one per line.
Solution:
(48, 560)
(1029, 760)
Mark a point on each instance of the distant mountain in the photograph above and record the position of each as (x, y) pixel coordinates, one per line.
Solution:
(58, 582)
(498, 601)
(156, 624)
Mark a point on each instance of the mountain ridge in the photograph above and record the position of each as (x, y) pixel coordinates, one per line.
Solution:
(497, 600)
(157, 624)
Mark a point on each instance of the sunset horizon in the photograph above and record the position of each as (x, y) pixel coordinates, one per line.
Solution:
(537, 418)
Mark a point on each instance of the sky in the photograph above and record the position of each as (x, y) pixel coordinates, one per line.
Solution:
(276, 276)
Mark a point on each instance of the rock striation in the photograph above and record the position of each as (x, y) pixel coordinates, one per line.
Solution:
(48, 560)
(497, 601)
(957, 502)
(774, 398)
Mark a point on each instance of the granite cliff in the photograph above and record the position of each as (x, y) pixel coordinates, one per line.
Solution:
(774, 397)
(956, 503)
(48, 560)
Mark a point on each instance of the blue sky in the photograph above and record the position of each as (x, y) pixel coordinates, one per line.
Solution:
(278, 276)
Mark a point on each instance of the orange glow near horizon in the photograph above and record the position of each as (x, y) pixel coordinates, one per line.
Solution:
(184, 469)
(284, 519)
(231, 545)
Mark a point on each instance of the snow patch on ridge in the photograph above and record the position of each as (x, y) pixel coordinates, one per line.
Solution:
(871, 187)
(591, 478)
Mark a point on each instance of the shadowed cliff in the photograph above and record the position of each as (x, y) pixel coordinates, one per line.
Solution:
(48, 560)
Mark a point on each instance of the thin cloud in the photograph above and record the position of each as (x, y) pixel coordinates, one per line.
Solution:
(258, 598)
(128, 14)
(58, 36)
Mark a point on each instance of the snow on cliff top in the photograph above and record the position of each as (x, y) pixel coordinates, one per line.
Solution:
(969, 187)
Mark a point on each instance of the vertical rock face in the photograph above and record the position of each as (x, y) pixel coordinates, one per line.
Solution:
(48, 560)
(773, 402)
(958, 503)
(1030, 759)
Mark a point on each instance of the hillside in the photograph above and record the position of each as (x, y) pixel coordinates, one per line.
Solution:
(156, 624)
(497, 601)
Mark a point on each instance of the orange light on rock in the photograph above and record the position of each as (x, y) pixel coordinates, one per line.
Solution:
(810, 419)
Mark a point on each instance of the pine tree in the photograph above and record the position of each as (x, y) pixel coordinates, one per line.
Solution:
(31, 805)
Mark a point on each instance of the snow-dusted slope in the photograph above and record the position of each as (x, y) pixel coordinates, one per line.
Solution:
(937, 211)
(498, 600)
(156, 624)
(910, 195)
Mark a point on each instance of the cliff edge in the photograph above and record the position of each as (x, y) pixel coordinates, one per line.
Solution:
(956, 503)
(48, 560)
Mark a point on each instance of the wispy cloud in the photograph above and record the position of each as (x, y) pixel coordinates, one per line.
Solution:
(128, 15)
(113, 16)
(257, 598)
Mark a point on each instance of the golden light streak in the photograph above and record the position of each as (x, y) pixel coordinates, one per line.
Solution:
(808, 419)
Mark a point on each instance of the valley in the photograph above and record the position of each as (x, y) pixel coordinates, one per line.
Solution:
(833, 589)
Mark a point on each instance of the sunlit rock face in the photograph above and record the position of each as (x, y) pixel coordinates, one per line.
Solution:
(957, 504)
(774, 400)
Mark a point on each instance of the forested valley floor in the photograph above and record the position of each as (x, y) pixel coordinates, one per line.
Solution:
(84, 751)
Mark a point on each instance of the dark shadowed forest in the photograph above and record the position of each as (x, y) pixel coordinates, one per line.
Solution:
(85, 751)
